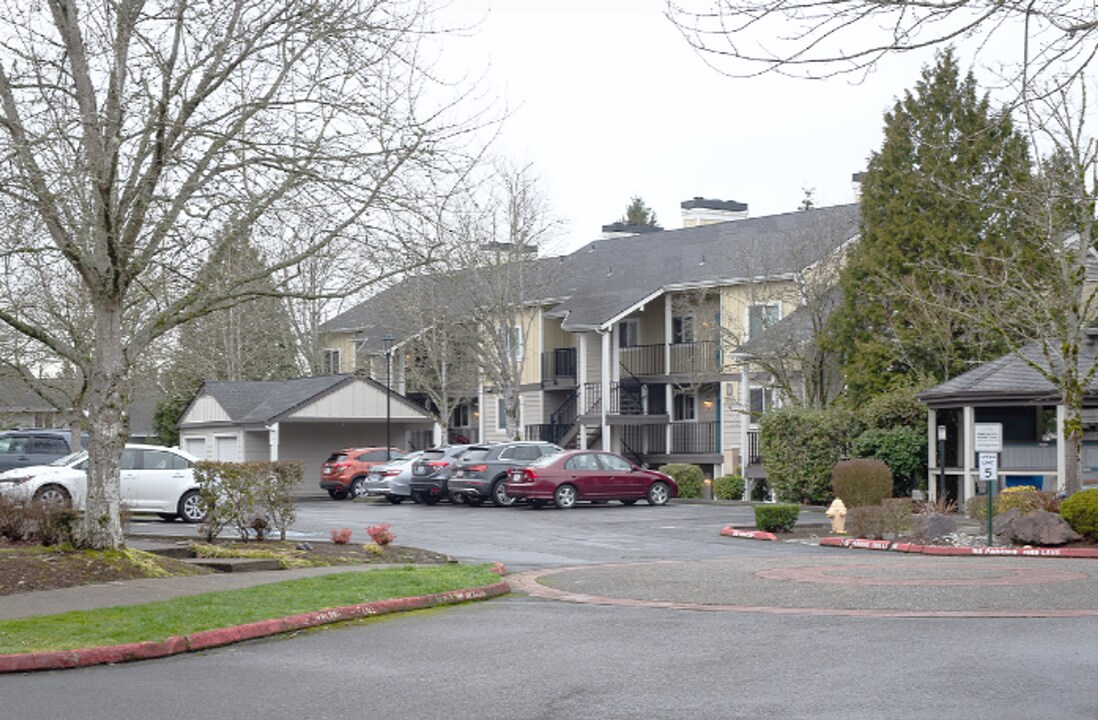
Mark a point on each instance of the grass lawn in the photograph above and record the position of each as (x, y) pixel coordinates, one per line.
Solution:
(160, 620)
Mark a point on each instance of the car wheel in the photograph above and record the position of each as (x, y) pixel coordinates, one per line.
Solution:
(565, 497)
(53, 495)
(168, 517)
(337, 494)
(658, 493)
(628, 502)
(500, 498)
(396, 499)
(358, 487)
(458, 498)
(190, 507)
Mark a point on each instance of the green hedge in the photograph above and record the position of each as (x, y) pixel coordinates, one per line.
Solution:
(776, 518)
(1081, 513)
(728, 487)
(688, 477)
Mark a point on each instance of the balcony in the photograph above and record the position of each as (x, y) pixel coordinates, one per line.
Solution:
(558, 368)
(692, 358)
(626, 399)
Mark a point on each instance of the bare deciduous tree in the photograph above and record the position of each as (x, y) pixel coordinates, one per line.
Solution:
(142, 141)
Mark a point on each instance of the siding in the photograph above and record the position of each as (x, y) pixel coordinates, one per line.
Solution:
(357, 400)
(205, 410)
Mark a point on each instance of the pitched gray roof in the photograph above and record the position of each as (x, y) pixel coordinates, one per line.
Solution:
(604, 278)
(1006, 379)
(607, 277)
(263, 401)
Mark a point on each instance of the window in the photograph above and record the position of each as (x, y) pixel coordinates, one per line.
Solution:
(629, 333)
(330, 362)
(685, 406)
(614, 463)
(682, 329)
(501, 414)
(761, 317)
(584, 461)
(460, 416)
(514, 343)
(762, 399)
(521, 452)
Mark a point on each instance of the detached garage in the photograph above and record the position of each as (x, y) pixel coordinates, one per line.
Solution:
(306, 419)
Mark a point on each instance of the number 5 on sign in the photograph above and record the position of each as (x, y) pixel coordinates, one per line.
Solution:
(989, 467)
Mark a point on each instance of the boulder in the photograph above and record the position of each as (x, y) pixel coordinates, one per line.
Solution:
(1039, 527)
(933, 527)
(1002, 526)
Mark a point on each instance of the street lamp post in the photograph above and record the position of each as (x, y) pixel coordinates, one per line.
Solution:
(941, 464)
(388, 340)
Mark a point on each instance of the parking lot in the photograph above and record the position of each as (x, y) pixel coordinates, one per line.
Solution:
(523, 538)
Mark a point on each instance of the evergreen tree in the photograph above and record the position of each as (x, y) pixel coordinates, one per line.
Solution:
(637, 213)
(947, 187)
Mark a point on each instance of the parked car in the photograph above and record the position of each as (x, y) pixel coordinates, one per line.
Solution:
(393, 480)
(24, 448)
(344, 472)
(482, 470)
(431, 473)
(153, 479)
(592, 475)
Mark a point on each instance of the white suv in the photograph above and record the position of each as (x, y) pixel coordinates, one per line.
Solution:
(153, 479)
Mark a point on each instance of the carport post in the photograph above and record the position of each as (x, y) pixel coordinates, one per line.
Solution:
(388, 340)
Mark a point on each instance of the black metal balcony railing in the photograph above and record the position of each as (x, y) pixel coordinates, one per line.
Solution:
(695, 358)
(558, 367)
(625, 399)
(754, 457)
(694, 437)
(691, 358)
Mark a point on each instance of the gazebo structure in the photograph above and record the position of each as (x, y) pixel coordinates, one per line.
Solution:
(1014, 393)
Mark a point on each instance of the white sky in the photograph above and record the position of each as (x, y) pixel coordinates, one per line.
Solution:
(610, 102)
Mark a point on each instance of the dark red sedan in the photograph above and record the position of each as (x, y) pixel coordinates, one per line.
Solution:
(569, 477)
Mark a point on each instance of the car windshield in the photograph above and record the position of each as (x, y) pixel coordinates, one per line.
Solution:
(70, 459)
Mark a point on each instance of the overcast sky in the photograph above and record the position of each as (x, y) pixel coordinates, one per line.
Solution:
(610, 102)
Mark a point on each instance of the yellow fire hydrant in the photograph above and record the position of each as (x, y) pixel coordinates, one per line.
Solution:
(837, 513)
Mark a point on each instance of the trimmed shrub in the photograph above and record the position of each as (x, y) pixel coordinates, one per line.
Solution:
(1081, 513)
(776, 518)
(799, 446)
(688, 477)
(1024, 498)
(903, 449)
(892, 517)
(250, 496)
(863, 482)
(728, 487)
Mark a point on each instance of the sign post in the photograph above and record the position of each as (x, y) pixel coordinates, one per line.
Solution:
(988, 444)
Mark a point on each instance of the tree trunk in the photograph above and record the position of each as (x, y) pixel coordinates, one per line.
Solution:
(102, 527)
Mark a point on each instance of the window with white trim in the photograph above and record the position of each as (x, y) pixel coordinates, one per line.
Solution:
(501, 414)
(761, 400)
(761, 317)
(629, 333)
(686, 406)
(682, 329)
(330, 362)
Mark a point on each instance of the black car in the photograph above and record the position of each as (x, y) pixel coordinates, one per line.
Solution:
(431, 472)
(482, 470)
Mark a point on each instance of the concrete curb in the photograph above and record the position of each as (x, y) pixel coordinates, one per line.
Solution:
(84, 657)
(729, 531)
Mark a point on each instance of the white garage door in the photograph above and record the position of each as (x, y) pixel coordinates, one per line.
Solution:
(225, 448)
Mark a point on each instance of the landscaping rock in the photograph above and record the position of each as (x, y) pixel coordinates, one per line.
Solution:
(933, 527)
(1035, 528)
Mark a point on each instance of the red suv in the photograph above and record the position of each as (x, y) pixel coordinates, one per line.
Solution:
(345, 472)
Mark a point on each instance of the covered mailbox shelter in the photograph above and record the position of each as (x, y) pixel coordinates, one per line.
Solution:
(1011, 391)
(304, 419)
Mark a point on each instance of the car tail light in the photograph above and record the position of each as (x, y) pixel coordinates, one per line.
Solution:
(529, 474)
(437, 463)
(390, 473)
(475, 468)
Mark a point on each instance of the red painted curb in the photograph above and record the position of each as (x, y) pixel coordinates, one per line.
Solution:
(729, 531)
(950, 551)
(26, 662)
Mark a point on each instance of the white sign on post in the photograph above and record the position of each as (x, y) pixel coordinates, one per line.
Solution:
(988, 437)
(989, 466)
